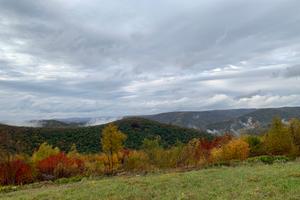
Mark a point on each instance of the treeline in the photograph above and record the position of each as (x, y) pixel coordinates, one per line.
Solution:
(49, 163)
(86, 139)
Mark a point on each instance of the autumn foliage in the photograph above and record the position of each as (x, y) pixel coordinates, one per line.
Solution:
(278, 140)
(44, 151)
(112, 143)
(236, 149)
(15, 172)
(49, 163)
(59, 165)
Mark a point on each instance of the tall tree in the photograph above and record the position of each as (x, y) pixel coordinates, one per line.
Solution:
(112, 141)
(277, 140)
(294, 131)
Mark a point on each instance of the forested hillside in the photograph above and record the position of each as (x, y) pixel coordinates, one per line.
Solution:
(87, 139)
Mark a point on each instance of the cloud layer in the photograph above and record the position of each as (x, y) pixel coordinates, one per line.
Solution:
(114, 58)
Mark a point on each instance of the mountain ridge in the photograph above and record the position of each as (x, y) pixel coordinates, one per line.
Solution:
(232, 120)
(212, 121)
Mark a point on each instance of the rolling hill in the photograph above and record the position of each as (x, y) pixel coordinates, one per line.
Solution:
(87, 139)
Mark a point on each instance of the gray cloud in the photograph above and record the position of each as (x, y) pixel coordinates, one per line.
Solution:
(93, 58)
(293, 71)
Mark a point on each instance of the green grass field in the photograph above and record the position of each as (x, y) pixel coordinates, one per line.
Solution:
(278, 181)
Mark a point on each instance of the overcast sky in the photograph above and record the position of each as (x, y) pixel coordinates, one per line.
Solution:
(79, 58)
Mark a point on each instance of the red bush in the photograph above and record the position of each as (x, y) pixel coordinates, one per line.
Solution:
(59, 165)
(205, 146)
(15, 172)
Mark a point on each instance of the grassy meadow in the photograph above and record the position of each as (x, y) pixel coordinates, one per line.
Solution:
(258, 181)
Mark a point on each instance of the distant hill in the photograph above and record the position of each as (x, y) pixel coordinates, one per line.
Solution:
(67, 122)
(87, 139)
(220, 121)
(197, 120)
(51, 123)
(256, 121)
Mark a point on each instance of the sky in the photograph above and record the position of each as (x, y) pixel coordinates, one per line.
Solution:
(86, 58)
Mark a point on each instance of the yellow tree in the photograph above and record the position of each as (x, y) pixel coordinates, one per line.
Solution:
(294, 131)
(278, 141)
(236, 149)
(44, 151)
(112, 142)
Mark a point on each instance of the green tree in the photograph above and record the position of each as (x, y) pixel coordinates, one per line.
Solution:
(6, 151)
(112, 141)
(277, 140)
(255, 145)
